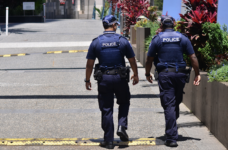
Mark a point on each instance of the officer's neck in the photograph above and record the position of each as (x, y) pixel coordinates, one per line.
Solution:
(168, 29)
(110, 30)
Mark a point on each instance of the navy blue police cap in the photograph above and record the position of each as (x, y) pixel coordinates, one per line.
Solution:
(167, 20)
(110, 20)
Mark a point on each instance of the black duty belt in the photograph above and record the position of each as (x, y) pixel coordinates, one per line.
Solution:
(180, 70)
(112, 72)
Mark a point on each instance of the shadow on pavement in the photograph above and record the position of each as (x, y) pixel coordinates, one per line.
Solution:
(160, 140)
(67, 96)
(190, 124)
(181, 113)
(149, 85)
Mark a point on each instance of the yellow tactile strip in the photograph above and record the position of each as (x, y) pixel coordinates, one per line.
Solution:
(73, 142)
(11, 55)
(70, 51)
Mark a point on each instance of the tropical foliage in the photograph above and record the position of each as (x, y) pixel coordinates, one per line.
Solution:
(113, 4)
(198, 12)
(153, 28)
(132, 9)
(151, 23)
(219, 72)
(158, 3)
(99, 11)
(216, 44)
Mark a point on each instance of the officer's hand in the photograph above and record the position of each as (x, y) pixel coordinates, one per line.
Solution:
(150, 79)
(135, 79)
(197, 80)
(88, 86)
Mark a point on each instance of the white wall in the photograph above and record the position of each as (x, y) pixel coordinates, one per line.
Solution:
(99, 4)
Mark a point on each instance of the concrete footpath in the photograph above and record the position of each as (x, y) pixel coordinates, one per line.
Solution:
(44, 95)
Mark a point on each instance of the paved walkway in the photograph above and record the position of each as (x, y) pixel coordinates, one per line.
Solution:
(53, 103)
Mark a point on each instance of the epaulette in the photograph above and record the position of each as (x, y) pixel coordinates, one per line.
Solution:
(95, 38)
(154, 37)
(184, 34)
(123, 37)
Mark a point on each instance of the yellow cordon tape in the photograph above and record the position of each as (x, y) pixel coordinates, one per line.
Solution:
(74, 142)
(10, 55)
(70, 51)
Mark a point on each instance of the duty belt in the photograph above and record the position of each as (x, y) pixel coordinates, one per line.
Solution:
(112, 72)
(180, 70)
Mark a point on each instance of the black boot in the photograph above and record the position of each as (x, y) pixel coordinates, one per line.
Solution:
(108, 145)
(171, 144)
(121, 132)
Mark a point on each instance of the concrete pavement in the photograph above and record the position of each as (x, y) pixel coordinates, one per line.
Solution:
(43, 96)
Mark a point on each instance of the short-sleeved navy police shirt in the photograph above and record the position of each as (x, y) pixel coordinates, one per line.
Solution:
(156, 45)
(125, 48)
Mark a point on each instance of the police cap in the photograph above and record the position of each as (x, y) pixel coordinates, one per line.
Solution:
(167, 20)
(109, 20)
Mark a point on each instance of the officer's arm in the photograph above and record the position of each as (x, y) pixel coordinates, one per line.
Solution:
(194, 61)
(89, 68)
(151, 54)
(134, 67)
(195, 64)
(149, 62)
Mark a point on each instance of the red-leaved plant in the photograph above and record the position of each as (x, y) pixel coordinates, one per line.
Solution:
(113, 2)
(221, 57)
(132, 9)
(198, 12)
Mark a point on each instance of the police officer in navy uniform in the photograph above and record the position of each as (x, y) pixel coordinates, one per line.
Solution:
(166, 50)
(110, 49)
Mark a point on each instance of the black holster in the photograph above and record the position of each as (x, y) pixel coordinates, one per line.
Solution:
(188, 74)
(97, 73)
(156, 74)
(125, 73)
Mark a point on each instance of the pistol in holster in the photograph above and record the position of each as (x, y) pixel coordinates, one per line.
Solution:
(188, 74)
(156, 74)
(97, 73)
(125, 73)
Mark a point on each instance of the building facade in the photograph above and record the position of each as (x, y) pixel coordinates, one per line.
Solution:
(70, 9)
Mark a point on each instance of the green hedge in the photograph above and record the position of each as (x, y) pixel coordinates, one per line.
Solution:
(219, 72)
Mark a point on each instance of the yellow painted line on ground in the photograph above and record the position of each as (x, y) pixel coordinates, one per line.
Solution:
(11, 55)
(21, 54)
(70, 51)
(7, 55)
(73, 51)
(58, 52)
(73, 142)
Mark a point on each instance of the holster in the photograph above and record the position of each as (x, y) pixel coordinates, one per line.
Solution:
(125, 73)
(188, 74)
(97, 73)
(156, 75)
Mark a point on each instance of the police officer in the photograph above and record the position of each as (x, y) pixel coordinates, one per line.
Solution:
(110, 49)
(166, 50)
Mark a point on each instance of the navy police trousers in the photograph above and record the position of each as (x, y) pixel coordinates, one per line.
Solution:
(171, 87)
(107, 87)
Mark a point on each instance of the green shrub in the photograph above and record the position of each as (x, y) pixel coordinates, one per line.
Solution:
(153, 28)
(99, 11)
(141, 23)
(217, 43)
(224, 28)
(219, 72)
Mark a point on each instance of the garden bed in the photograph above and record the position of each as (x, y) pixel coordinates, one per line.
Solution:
(209, 102)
